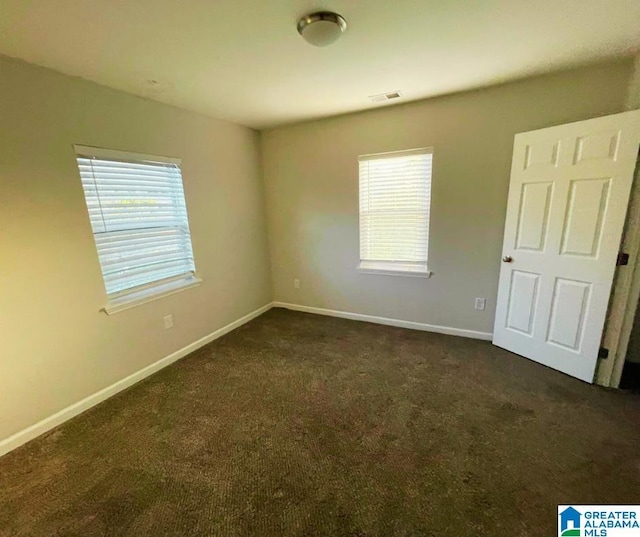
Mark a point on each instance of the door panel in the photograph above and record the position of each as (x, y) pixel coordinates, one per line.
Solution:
(522, 301)
(588, 200)
(534, 214)
(542, 155)
(568, 312)
(597, 146)
(567, 202)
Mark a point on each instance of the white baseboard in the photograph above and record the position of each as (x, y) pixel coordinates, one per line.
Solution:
(35, 430)
(31, 432)
(390, 322)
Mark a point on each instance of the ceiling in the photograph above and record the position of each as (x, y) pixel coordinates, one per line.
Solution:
(243, 61)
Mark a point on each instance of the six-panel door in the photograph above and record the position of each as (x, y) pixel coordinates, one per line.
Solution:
(568, 196)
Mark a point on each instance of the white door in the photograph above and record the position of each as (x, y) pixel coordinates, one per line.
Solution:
(567, 202)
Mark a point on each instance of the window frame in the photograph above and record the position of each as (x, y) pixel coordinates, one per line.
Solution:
(395, 268)
(141, 294)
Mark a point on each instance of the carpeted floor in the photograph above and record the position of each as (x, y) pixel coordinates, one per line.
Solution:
(301, 425)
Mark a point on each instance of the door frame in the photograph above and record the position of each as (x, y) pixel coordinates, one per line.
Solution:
(625, 295)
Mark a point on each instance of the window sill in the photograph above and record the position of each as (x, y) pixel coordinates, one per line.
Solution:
(150, 294)
(394, 269)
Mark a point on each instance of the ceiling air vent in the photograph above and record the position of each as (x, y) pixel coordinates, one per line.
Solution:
(385, 96)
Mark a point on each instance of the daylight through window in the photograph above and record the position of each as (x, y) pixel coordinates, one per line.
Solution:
(395, 198)
(139, 219)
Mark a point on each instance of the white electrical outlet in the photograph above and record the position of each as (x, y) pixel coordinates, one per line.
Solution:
(481, 303)
(296, 283)
(168, 321)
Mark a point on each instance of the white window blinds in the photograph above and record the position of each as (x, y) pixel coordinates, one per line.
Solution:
(139, 218)
(395, 198)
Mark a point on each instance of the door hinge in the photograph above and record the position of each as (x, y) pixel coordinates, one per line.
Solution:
(603, 353)
(623, 259)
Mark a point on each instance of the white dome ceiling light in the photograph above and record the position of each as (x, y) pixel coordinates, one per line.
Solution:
(321, 28)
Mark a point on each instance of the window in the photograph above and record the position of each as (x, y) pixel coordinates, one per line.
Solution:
(395, 198)
(139, 219)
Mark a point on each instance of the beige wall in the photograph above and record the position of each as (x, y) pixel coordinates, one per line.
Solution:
(56, 347)
(311, 178)
(633, 102)
(633, 94)
(633, 350)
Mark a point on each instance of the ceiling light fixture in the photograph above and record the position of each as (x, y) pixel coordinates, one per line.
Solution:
(321, 28)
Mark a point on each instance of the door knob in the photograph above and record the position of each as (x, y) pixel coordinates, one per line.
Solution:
(507, 259)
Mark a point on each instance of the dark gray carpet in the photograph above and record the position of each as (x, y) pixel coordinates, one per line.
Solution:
(300, 425)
